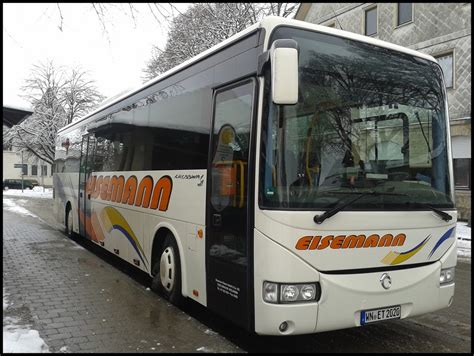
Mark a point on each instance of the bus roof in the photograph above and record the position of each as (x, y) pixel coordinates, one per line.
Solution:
(268, 23)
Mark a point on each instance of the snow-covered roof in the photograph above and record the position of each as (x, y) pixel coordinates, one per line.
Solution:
(18, 107)
(268, 23)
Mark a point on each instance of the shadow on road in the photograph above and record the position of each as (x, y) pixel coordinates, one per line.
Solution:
(391, 336)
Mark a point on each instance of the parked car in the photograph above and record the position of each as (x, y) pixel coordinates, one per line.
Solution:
(16, 183)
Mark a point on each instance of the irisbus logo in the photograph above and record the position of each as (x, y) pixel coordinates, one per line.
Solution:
(349, 241)
(146, 193)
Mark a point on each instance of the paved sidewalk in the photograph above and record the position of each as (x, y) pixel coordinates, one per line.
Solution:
(76, 299)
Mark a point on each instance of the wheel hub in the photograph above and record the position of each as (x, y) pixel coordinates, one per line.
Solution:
(167, 269)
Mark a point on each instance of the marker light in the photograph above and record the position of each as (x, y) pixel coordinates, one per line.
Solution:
(446, 276)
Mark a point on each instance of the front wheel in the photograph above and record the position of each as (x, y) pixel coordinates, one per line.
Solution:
(167, 272)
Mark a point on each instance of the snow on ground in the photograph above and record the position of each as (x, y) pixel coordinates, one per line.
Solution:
(36, 192)
(463, 234)
(12, 206)
(19, 338)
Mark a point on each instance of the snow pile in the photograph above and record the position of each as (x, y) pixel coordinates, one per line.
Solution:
(463, 234)
(22, 340)
(204, 349)
(18, 338)
(11, 206)
(36, 192)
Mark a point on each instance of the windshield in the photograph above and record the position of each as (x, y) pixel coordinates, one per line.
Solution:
(367, 119)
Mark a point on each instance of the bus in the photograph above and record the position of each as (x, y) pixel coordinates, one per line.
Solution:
(293, 179)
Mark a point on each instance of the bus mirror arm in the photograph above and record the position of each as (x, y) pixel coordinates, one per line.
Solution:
(263, 61)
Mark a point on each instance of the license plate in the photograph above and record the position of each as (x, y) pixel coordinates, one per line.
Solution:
(374, 315)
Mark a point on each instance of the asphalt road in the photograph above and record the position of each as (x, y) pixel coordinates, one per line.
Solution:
(448, 330)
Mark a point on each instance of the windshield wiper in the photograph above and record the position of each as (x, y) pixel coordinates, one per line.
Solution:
(442, 214)
(318, 219)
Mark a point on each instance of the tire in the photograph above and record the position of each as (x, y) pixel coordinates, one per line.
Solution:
(69, 222)
(167, 272)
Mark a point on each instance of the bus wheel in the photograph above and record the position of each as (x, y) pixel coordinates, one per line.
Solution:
(69, 222)
(167, 272)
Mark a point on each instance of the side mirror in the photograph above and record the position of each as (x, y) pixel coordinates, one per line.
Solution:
(284, 63)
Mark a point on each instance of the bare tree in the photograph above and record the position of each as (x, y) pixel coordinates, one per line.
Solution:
(79, 95)
(161, 12)
(57, 99)
(204, 25)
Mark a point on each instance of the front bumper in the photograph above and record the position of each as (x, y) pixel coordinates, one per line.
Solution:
(343, 296)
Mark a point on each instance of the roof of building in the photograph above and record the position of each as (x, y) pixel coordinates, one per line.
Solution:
(14, 115)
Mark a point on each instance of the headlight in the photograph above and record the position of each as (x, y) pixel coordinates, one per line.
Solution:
(290, 293)
(308, 291)
(446, 276)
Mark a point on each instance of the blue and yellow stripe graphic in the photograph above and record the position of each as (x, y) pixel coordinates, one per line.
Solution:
(394, 258)
(443, 238)
(112, 219)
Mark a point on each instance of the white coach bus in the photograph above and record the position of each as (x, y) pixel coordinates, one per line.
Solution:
(294, 179)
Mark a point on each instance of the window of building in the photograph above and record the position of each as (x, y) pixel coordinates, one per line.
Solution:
(462, 173)
(405, 13)
(34, 170)
(371, 21)
(25, 169)
(446, 63)
(44, 170)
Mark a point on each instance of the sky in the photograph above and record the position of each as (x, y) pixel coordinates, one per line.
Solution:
(31, 35)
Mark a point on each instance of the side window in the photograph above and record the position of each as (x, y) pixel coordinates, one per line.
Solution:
(371, 21)
(405, 13)
(233, 110)
(462, 173)
(100, 152)
(446, 63)
(166, 130)
(68, 152)
(34, 170)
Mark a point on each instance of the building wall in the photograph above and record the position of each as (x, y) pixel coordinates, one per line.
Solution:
(10, 158)
(436, 29)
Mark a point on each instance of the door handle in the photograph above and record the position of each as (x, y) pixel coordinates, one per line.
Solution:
(217, 220)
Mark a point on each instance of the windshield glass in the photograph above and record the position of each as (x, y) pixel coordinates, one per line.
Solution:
(368, 119)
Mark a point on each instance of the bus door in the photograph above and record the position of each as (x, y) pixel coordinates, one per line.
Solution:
(85, 185)
(227, 257)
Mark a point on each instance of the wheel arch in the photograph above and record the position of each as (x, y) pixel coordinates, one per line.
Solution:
(74, 212)
(160, 232)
